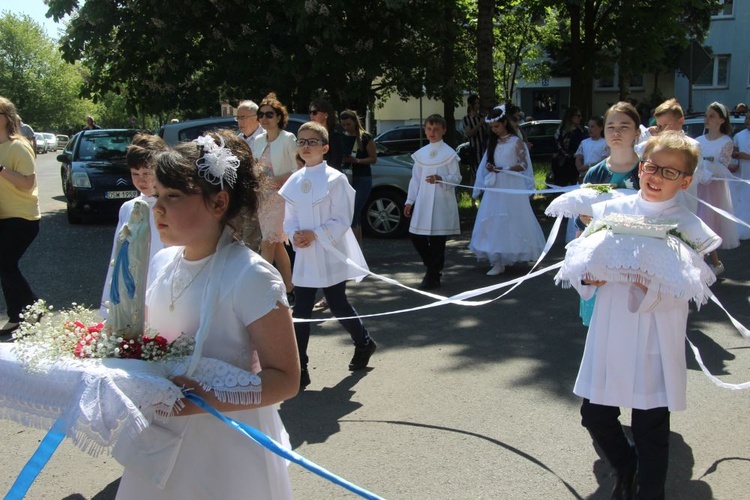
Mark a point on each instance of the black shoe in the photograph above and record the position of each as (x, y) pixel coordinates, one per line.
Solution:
(625, 486)
(304, 379)
(362, 355)
(430, 283)
(9, 328)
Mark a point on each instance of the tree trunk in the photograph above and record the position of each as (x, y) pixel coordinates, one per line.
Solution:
(485, 63)
(582, 46)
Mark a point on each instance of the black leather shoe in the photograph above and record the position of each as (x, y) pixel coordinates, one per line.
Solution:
(362, 356)
(304, 379)
(9, 328)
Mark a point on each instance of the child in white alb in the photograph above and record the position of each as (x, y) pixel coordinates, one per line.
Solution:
(635, 347)
(432, 204)
(318, 219)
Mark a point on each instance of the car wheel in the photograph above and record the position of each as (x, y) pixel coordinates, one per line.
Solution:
(384, 214)
(73, 218)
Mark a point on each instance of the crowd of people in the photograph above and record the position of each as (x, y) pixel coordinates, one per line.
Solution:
(308, 214)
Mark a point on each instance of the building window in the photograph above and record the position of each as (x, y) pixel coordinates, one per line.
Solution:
(610, 83)
(726, 9)
(716, 73)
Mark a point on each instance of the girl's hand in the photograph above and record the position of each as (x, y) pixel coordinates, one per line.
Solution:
(349, 159)
(407, 210)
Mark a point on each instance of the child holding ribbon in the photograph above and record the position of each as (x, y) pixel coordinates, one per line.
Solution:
(506, 230)
(319, 208)
(234, 302)
(635, 347)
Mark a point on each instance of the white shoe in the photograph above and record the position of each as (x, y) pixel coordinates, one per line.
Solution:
(498, 268)
(718, 269)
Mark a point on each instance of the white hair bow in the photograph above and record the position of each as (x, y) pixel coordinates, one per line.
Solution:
(217, 163)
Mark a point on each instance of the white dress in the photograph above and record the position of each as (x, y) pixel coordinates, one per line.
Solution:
(717, 154)
(434, 207)
(125, 210)
(210, 459)
(741, 191)
(506, 230)
(635, 346)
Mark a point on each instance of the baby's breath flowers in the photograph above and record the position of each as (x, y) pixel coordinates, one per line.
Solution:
(42, 338)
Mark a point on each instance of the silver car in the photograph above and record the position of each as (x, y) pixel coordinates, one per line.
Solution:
(383, 215)
(51, 141)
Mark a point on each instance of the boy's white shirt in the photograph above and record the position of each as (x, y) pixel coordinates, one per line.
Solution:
(320, 199)
(125, 210)
(635, 348)
(434, 211)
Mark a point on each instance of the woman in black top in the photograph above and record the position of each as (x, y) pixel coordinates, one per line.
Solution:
(567, 138)
(359, 158)
(322, 112)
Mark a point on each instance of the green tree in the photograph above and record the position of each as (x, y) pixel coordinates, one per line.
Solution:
(44, 88)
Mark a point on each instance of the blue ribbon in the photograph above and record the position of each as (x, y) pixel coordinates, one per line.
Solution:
(38, 461)
(122, 263)
(276, 448)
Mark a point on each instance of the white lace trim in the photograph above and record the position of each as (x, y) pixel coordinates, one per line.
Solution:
(579, 201)
(676, 268)
(101, 399)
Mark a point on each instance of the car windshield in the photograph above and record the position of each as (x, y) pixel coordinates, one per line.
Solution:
(104, 146)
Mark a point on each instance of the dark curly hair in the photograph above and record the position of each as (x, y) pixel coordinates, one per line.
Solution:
(143, 150)
(176, 169)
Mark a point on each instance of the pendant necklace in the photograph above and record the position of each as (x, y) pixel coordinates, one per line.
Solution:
(175, 297)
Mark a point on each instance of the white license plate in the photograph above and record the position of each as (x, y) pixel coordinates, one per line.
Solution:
(116, 195)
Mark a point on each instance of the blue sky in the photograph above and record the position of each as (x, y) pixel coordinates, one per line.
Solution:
(36, 9)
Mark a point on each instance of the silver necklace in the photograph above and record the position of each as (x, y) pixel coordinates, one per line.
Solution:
(174, 297)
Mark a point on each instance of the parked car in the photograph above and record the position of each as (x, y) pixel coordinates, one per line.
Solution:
(694, 124)
(383, 215)
(541, 135)
(51, 141)
(41, 143)
(62, 141)
(95, 177)
(407, 139)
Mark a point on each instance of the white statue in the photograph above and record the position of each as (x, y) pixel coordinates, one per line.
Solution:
(127, 295)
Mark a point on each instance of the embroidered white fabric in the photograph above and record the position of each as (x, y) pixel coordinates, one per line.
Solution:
(579, 201)
(606, 256)
(101, 398)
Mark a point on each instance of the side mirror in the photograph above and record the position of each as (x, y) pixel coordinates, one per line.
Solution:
(63, 158)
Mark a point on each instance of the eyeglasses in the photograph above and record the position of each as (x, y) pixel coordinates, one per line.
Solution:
(246, 117)
(669, 173)
(315, 111)
(309, 142)
(267, 114)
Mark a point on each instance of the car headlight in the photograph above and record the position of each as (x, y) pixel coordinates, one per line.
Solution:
(81, 180)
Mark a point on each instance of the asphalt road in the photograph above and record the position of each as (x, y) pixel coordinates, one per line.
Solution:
(459, 403)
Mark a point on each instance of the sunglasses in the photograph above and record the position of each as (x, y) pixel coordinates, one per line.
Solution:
(671, 174)
(315, 111)
(266, 114)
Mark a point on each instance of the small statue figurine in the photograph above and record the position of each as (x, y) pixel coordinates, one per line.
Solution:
(127, 296)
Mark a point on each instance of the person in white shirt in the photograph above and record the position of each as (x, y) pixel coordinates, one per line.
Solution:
(593, 149)
(247, 122)
(318, 219)
(430, 203)
(635, 347)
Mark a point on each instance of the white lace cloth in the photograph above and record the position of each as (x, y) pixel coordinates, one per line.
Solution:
(676, 268)
(100, 398)
(579, 201)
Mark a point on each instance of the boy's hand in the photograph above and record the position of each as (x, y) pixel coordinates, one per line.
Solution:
(489, 166)
(407, 210)
(304, 238)
(586, 219)
(432, 179)
(596, 283)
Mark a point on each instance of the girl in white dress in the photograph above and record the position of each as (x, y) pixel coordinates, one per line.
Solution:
(234, 302)
(716, 148)
(506, 230)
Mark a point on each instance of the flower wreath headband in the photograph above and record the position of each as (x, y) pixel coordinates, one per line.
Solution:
(217, 164)
(497, 113)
